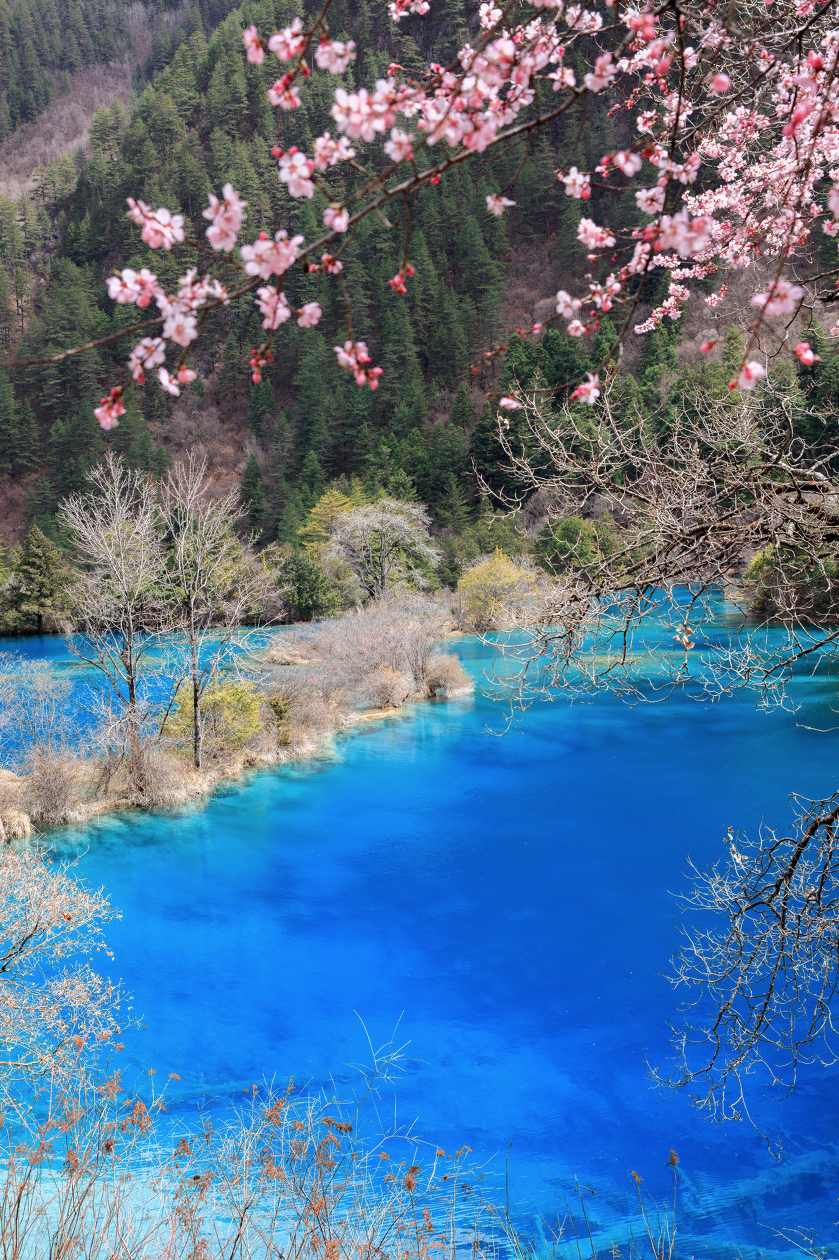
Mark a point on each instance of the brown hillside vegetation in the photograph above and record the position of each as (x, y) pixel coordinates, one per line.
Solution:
(63, 127)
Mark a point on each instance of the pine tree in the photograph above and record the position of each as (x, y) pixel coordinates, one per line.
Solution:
(261, 404)
(462, 415)
(9, 432)
(453, 505)
(40, 580)
(252, 493)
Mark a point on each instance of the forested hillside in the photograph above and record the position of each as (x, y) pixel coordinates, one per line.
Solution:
(204, 119)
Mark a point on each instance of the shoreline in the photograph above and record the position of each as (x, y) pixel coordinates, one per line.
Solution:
(15, 822)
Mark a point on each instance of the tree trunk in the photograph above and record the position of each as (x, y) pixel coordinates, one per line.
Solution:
(134, 752)
(196, 717)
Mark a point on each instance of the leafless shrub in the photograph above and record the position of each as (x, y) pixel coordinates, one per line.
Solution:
(301, 707)
(52, 1005)
(93, 1170)
(48, 794)
(380, 654)
(445, 676)
(164, 780)
(37, 731)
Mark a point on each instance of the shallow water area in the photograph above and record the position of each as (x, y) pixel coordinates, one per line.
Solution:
(507, 902)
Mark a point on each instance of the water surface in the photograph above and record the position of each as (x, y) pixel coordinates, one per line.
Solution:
(507, 901)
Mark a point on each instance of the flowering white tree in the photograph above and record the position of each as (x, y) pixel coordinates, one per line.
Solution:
(383, 543)
(731, 152)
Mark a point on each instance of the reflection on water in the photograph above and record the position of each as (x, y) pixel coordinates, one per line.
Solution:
(509, 899)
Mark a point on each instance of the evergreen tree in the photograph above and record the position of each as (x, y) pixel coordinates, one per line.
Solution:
(252, 493)
(9, 432)
(40, 581)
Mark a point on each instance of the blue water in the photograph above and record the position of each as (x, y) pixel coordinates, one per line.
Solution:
(506, 899)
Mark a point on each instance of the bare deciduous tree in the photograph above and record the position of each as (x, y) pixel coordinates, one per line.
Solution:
(384, 543)
(724, 483)
(211, 581)
(762, 978)
(38, 721)
(120, 611)
(53, 1007)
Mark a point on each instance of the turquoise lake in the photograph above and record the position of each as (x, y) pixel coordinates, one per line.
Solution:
(507, 901)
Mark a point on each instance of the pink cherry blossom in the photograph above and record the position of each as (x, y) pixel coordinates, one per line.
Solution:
(267, 256)
(399, 146)
(362, 115)
(629, 163)
(168, 383)
(138, 287)
(801, 111)
(511, 404)
(273, 305)
(594, 237)
(337, 218)
(161, 228)
(589, 390)
(782, 298)
(296, 173)
(750, 374)
(601, 77)
(719, 84)
(226, 218)
(397, 282)
(650, 200)
(686, 235)
(284, 94)
(180, 325)
(566, 305)
(253, 45)
(146, 356)
(398, 8)
(108, 410)
(355, 356)
(186, 374)
(496, 204)
(576, 184)
(309, 315)
(805, 355)
(329, 152)
(334, 56)
(289, 42)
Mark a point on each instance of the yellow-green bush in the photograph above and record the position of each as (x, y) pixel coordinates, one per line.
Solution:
(229, 716)
(494, 591)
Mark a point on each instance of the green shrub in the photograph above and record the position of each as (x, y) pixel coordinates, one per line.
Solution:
(229, 716)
